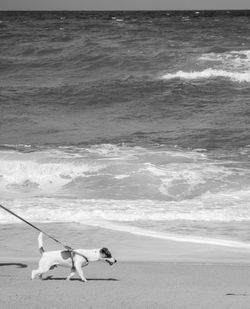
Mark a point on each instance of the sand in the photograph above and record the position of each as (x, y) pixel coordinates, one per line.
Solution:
(150, 273)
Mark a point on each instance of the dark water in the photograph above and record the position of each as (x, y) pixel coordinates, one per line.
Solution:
(129, 118)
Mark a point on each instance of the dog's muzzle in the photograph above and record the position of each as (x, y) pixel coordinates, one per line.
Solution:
(111, 261)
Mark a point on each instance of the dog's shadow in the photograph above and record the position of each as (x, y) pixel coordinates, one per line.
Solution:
(78, 279)
(19, 265)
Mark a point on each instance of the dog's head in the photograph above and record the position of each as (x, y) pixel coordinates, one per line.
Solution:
(106, 256)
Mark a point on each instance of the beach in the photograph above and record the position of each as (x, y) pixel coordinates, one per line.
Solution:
(127, 130)
(150, 273)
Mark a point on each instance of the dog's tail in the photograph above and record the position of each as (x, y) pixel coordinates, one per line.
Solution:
(40, 243)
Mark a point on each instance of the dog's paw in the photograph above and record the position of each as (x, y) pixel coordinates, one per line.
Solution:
(84, 280)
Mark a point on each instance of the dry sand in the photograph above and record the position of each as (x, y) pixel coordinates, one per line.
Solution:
(150, 273)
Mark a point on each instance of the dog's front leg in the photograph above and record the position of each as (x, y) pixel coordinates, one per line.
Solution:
(73, 271)
(80, 272)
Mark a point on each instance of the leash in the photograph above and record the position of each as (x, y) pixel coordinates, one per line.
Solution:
(68, 248)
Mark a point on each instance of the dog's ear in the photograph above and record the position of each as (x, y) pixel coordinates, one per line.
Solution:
(105, 253)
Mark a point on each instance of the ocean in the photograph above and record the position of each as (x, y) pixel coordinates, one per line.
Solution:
(131, 121)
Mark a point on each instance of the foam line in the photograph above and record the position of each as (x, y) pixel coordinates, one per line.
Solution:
(174, 237)
(209, 73)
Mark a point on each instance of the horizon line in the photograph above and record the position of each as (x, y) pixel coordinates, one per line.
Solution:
(127, 10)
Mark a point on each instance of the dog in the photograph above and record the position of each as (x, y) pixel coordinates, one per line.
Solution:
(74, 259)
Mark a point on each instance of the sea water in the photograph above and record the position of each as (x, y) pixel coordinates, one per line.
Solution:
(133, 121)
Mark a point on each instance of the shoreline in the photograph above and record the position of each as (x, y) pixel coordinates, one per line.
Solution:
(19, 241)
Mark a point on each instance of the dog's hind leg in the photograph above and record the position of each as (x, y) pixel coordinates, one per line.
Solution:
(73, 271)
(37, 272)
(43, 268)
(34, 273)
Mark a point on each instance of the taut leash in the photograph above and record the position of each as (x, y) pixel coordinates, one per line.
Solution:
(51, 237)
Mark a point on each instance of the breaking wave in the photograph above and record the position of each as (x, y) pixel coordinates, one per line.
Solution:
(233, 65)
(108, 171)
(210, 73)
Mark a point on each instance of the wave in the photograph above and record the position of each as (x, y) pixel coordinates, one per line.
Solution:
(105, 171)
(233, 65)
(209, 73)
(47, 170)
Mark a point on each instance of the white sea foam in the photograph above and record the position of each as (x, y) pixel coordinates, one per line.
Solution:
(208, 208)
(121, 185)
(209, 73)
(42, 169)
(108, 171)
(180, 180)
(121, 176)
(110, 214)
(233, 65)
(239, 60)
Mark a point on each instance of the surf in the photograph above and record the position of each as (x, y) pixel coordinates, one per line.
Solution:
(209, 74)
(231, 65)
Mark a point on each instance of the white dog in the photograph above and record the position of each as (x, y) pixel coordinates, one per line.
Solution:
(75, 259)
